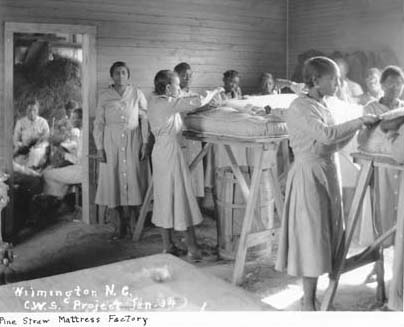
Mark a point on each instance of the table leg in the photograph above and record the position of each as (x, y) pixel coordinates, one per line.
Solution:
(248, 217)
(143, 212)
(276, 193)
(237, 172)
(200, 156)
(343, 244)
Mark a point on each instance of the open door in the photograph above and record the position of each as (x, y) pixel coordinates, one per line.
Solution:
(76, 41)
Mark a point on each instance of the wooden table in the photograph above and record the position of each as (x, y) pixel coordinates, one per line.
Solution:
(128, 286)
(374, 252)
(265, 145)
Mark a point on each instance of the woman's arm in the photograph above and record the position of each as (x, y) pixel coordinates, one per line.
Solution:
(144, 124)
(312, 122)
(342, 143)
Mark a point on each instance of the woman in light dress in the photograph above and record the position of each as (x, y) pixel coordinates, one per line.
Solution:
(121, 135)
(387, 180)
(175, 206)
(191, 148)
(312, 219)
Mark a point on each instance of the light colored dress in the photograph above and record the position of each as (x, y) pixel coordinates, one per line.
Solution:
(396, 285)
(367, 97)
(58, 180)
(27, 131)
(191, 149)
(386, 183)
(175, 204)
(312, 219)
(123, 179)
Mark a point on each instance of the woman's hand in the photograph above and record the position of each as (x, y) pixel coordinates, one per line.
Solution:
(369, 120)
(101, 156)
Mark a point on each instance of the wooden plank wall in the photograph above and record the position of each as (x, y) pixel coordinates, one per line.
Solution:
(347, 25)
(212, 35)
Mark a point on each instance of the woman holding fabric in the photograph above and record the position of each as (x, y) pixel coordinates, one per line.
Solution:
(312, 218)
(121, 136)
(387, 180)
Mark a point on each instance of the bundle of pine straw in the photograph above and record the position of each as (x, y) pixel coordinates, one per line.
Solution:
(53, 84)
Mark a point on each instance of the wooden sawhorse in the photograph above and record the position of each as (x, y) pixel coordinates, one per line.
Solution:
(374, 252)
(247, 239)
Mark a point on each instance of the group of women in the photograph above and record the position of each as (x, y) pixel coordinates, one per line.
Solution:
(46, 160)
(312, 220)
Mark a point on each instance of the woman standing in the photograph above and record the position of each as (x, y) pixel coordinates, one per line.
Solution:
(374, 89)
(175, 205)
(387, 180)
(191, 148)
(312, 219)
(121, 135)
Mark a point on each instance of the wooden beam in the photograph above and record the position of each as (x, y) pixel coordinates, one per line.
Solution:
(345, 241)
(9, 122)
(261, 237)
(248, 217)
(237, 172)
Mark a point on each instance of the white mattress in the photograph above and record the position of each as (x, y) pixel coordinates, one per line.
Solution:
(227, 121)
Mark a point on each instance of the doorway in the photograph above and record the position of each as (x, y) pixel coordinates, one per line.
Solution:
(31, 52)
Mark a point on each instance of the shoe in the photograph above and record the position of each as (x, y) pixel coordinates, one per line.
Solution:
(201, 255)
(194, 256)
(175, 251)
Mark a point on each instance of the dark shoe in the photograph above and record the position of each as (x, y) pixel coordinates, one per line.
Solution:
(175, 251)
(202, 255)
(194, 256)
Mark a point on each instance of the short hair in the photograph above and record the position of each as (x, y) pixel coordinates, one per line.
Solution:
(182, 67)
(162, 79)
(32, 102)
(229, 74)
(393, 71)
(116, 65)
(316, 67)
(79, 112)
(265, 76)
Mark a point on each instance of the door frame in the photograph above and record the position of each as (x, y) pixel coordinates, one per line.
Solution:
(89, 84)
